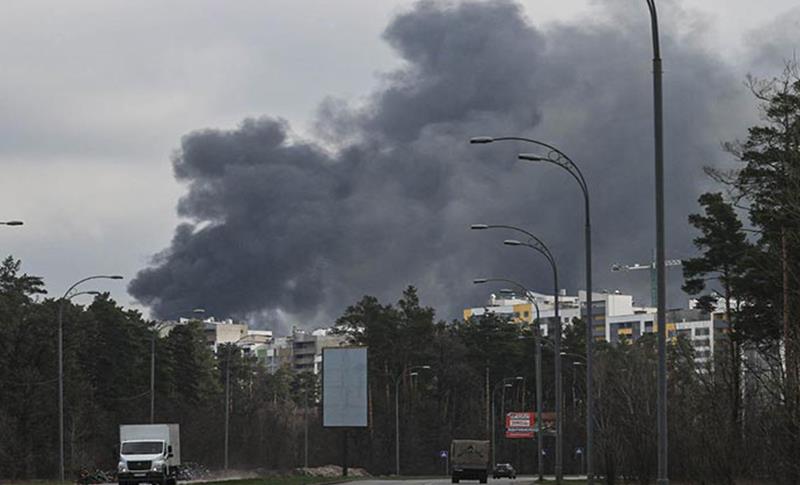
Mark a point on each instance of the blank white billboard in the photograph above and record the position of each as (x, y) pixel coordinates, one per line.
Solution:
(344, 387)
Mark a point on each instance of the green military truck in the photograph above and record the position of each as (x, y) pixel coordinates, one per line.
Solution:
(469, 460)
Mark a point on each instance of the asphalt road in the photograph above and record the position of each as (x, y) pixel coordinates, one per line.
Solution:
(445, 481)
(521, 480)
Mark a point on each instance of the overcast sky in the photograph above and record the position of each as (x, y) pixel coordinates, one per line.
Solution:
(96, 95)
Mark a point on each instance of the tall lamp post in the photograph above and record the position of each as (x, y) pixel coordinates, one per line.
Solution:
(559, 158)
(397, 413)
(503, 384)
(537, 364)
(156, 329)
(661, 292)
(68, 295)
(539, 246)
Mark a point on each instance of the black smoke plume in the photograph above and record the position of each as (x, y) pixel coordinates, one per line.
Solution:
(283, 230)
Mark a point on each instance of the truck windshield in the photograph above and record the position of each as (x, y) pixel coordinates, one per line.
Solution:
(142, 447)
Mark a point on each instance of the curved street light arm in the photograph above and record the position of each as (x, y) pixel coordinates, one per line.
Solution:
(502, 280)
(651, 4)
(95, 277)
(546, 254)
(568, 165)
(532, 236)
(61, 302)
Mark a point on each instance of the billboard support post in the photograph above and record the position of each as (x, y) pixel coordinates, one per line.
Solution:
(344, 452)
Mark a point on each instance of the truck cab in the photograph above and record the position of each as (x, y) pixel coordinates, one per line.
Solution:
(148, 454)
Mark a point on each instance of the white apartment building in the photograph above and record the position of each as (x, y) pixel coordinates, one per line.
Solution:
(615, 318)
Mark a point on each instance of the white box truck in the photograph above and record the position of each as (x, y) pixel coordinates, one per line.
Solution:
(149, 453)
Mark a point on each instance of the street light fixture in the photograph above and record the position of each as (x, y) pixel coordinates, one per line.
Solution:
(503, 384)
(481, 140)
(557, 157)
(539, 246)
(537, 362)
(537, 366)
(156, 329)
(410, 371)
(11, 223)
(68, 295)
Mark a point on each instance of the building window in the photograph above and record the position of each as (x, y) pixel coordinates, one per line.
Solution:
(701, 331)
(527, 314)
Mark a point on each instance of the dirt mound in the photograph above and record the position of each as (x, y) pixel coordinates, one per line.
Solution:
(330, 471)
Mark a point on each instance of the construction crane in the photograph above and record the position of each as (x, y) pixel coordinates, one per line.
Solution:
(651, 266)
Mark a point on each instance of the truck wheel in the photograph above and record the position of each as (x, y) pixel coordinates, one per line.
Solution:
(455, 479)
(484, 478)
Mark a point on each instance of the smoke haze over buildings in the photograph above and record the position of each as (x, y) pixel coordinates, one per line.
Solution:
(291, 230)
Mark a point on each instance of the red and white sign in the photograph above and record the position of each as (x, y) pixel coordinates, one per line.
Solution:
(520, 425)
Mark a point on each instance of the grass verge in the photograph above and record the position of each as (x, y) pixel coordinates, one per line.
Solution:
(288, 480)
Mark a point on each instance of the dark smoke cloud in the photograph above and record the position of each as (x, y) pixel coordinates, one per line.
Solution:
(284, 230)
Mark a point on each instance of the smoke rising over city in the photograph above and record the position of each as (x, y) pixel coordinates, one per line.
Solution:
(288, 230)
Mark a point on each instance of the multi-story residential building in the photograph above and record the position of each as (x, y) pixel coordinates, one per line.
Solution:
(301, 351)
(521, 310)
(615, 318)
(226, 331)
(307, 348)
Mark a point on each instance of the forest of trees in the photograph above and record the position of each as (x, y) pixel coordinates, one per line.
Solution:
(737, 417)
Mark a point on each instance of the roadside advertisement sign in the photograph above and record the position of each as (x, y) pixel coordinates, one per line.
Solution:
(520, 425)
(344, 387)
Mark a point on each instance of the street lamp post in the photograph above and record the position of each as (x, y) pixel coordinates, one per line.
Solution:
(66, 297)
(539, 246)
(397, 413)
(661, 293)
(501, 385)
(156, 329)
(559, 158)
(537, 335)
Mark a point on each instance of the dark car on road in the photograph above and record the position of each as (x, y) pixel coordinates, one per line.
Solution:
(504, 470)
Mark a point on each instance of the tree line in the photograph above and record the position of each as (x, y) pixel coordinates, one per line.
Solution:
(738, 416)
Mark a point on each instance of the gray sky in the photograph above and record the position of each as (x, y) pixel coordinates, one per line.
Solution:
(96, 95)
